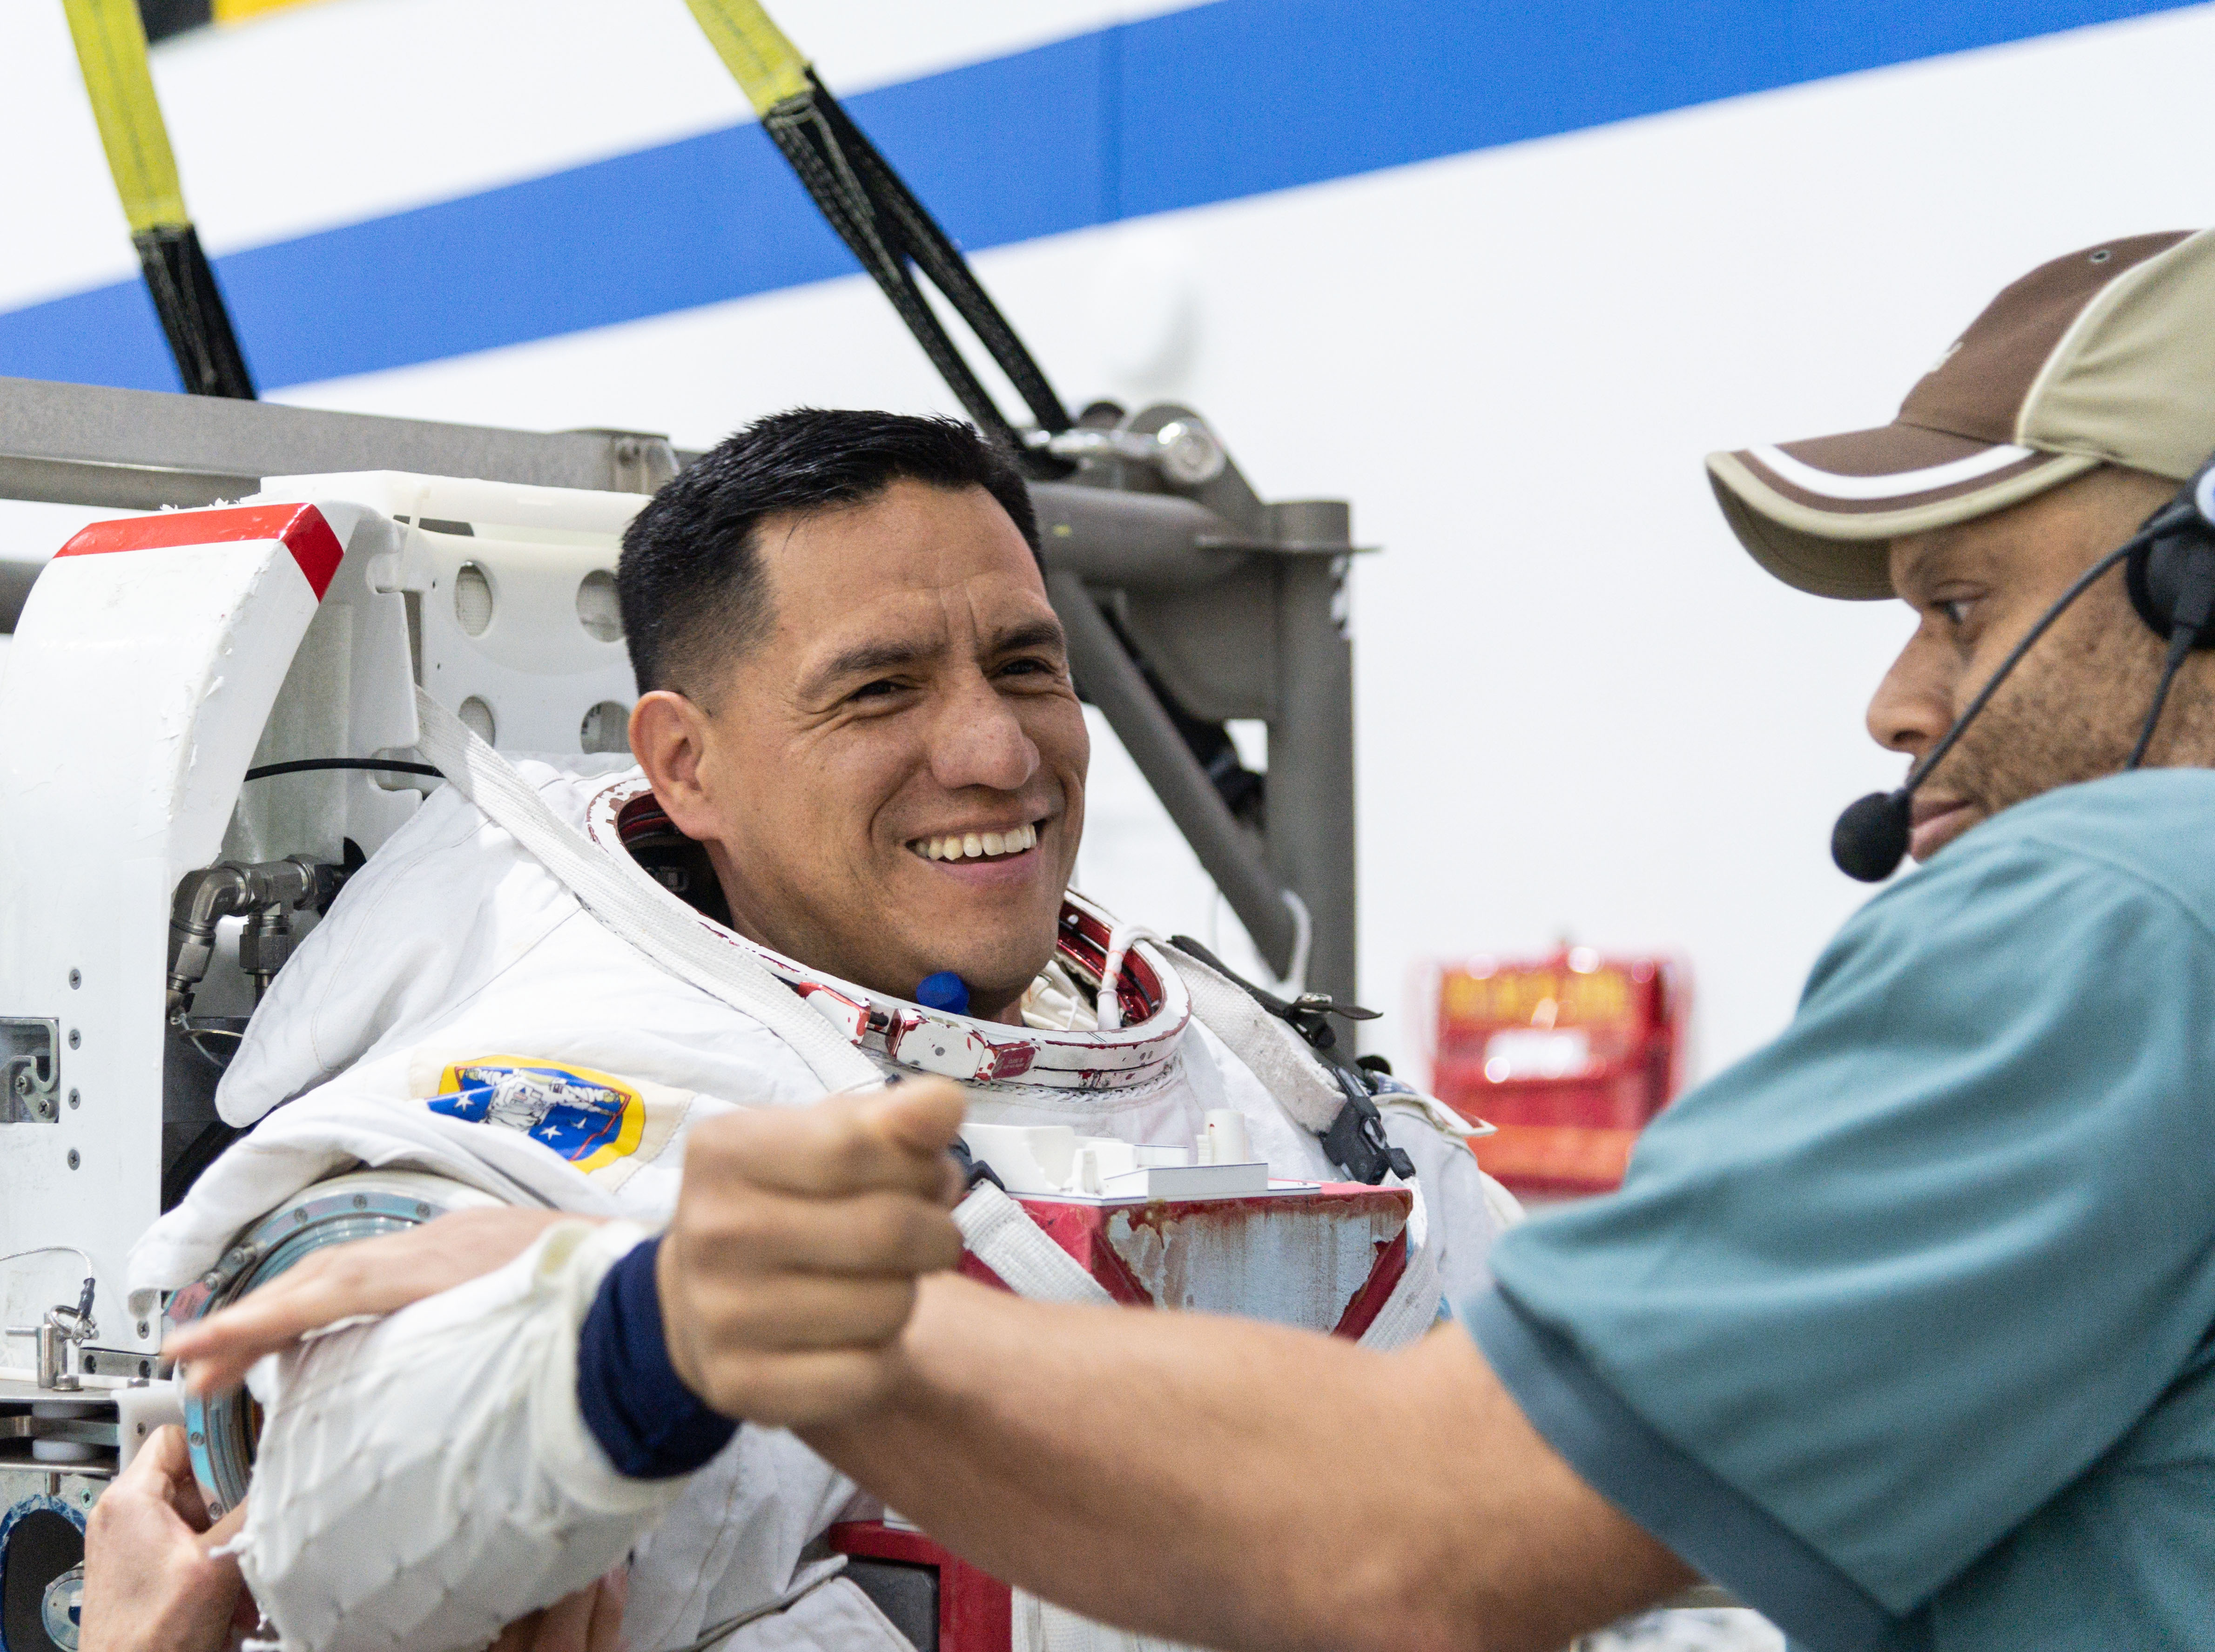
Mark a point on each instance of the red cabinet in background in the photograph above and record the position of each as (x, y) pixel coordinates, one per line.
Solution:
(1569, 1056)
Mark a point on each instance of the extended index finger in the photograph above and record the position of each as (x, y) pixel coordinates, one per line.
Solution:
(321, 1290)
(363, 1277)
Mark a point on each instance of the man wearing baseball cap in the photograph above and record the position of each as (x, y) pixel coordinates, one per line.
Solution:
(2069, 411)
(1903, 1327)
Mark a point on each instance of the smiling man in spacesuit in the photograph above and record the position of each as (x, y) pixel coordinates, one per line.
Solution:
(893, 661)
(862, 769)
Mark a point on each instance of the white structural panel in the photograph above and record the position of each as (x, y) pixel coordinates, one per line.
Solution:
(138, 683)
(158, 659)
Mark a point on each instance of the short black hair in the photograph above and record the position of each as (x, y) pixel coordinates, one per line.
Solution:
(691, 581)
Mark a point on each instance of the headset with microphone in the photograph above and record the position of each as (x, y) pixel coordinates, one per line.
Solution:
(2170, 575)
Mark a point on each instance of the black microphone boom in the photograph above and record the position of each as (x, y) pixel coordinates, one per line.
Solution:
(1870, 838)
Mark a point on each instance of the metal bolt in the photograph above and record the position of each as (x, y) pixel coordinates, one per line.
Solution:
(197, 1438)
(75, 1038)
(361, 1202)
(300, 1218)
(73, 1098)
(73, 1158)
(1190, 454)
(422, 1211)
(76, 980)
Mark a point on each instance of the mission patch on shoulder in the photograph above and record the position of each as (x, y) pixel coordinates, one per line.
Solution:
(588, 1117)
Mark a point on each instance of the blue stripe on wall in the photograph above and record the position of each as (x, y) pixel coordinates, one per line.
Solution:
(1229, 100)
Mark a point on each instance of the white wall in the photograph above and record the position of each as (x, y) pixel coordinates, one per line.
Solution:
(1581, 709)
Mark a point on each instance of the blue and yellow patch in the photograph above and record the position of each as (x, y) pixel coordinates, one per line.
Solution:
(588, 1117)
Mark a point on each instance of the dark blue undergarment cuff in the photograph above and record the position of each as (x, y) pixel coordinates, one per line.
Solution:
(649, 1423)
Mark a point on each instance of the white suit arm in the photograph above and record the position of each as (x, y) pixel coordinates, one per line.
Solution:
(1468, 1209)
(426, 1479)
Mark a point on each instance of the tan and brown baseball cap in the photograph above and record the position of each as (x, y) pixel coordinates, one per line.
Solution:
(2105, 355)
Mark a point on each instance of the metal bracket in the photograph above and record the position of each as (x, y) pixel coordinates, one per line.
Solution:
(54, 1345)
(1185, 451)
(30, 1069)
(637, 463)
(96, 1361)
(83, 1431)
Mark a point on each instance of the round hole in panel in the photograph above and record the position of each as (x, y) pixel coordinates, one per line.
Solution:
(606, 727)
(478, 715)
(597, 611)
(473, 598)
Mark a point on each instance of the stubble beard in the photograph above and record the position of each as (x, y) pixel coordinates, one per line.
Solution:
(2075, 717)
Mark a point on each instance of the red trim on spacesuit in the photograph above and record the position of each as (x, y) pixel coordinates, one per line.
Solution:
(1157, 1009)
(1082, 1228)
(1383, 1279)
(976, 1612)
(642, 816)
(1083, 939)
(300, 528)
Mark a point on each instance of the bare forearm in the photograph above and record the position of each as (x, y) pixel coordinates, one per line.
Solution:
(1242, 1485)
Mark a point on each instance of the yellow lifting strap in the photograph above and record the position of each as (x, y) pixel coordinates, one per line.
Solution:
(767, 66)
(111, 50)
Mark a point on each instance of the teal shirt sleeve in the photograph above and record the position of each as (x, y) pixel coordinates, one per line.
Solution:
(1890, 1285)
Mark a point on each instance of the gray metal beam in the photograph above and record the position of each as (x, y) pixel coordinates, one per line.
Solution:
(1310, 797)
(139, 450)
(1133, 541)
(1227, 851)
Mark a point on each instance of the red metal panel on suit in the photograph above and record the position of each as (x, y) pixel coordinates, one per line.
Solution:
(1098, 1235)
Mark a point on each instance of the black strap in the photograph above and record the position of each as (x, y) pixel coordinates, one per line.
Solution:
(895, 238)
(973, 1168)
(1355, 1141)
(317, 765)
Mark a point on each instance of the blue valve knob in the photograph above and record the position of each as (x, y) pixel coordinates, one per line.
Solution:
(944, 991)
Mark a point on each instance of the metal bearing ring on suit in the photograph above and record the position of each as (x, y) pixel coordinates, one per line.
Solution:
(222, 1433)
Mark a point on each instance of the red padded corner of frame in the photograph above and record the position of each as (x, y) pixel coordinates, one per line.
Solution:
(300, 527)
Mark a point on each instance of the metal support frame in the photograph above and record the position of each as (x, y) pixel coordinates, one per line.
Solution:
(1234, 607)
(140, 450)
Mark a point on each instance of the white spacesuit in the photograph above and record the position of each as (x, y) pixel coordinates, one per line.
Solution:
(425, 1479)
